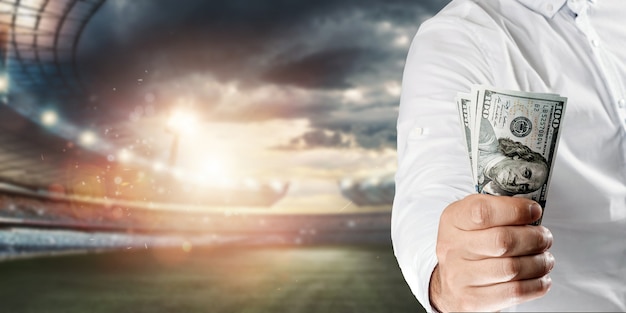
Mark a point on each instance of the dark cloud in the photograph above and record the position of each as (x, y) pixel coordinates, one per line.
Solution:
(239, 40)
(312, 71)
(375, 137)
(372, 129)
(169, 48)
(268, 109)
(317, 139)
(363, 136)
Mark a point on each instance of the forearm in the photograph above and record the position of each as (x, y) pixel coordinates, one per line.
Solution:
(421, 196)
(433, 165)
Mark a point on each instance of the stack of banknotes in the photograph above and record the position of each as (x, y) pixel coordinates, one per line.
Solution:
(512, 139)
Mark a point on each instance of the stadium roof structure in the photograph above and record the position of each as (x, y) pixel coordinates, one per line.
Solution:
(32, 157)
(40, 39)
(38, 45)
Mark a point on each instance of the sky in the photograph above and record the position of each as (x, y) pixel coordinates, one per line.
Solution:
(304, 92)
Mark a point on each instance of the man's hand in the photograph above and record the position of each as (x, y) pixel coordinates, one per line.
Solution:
(489, 257)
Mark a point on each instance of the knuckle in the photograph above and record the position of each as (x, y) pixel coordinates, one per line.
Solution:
(445, 250)
(511, 268)
(521, 211)
(451, 213)
(515, 290)
(480, 213)
(504, 241)
(442, 251)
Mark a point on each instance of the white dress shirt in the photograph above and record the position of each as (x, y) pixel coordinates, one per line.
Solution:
(576, 48)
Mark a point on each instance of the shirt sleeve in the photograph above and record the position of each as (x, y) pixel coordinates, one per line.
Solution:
(433, 164)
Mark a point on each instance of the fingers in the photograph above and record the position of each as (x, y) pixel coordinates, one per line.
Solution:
(493, 284)
(500, 270)
(507, 241)
(503, 295)
(484, 211)
(489, 257)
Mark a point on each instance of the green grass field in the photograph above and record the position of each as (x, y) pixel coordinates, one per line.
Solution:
(325, 279)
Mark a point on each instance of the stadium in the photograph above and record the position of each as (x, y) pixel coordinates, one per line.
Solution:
(197, 156)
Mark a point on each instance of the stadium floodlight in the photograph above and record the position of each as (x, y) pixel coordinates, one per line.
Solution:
(182, 122)
(179, 123)
(4, 83)
(87, 138)
(49, 118)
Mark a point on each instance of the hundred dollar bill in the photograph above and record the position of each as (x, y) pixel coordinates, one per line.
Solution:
(464, 105)
(514, 139)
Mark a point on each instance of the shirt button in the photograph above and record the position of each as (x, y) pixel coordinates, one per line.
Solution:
(595, 42)
(549, 7)
(621, 103)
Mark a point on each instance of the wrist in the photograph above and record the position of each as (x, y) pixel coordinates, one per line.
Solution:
(434, 290)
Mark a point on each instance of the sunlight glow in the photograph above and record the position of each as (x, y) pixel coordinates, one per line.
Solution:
(178, 173)
(182, 122)
(251, 183)
(214, 167)
(157, 166)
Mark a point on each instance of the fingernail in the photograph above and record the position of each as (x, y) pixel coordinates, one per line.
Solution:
(535, 211)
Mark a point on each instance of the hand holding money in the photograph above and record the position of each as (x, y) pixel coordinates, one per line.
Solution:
(489, 257)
